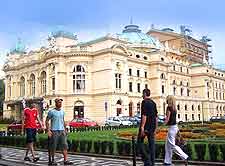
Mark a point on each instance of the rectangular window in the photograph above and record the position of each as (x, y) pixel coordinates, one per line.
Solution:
(53, 83)
(199, 117)
(118, 81)
(146, 86)
(174, 68)
(178, 116)
(50, 102)
(139, 87)
(208, 94)
(186, 117)
(163, 89)
(130, 72)
(130, 87)
(74, 85)
(193, 117)
(146, 74)
(138, 73)
(174, 91)
(188, 92)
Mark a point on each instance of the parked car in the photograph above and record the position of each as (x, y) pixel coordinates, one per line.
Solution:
(134, 120)
(161, 118)
(217, 119)
(82, 122)
(117, 121)
(16, 126)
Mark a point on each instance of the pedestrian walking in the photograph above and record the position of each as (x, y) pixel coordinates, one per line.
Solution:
(147, 128)
(173, 130)
(29, 117)
(57, 132)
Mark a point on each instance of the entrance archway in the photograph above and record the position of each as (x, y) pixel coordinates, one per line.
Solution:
(130, 109)
(118, 107)
(78, 110)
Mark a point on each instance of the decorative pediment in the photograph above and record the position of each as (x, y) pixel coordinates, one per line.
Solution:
(120, 48)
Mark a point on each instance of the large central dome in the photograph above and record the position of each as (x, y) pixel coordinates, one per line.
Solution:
(133, 34)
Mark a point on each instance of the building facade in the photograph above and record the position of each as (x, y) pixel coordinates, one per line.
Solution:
(105, 77)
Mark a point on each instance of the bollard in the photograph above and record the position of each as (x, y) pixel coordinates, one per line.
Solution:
(134, 151)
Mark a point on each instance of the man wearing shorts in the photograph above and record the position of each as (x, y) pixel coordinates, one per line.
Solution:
(57, 133)
(30, 115)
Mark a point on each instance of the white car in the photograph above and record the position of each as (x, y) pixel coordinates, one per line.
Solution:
(117, 121)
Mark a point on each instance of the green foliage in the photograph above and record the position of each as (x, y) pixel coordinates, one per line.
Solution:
(200, 151)
(214, 152)
(222, 150)
(2, 94)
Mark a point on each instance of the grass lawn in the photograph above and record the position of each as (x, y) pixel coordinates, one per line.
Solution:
(3, 126)
(107, 135)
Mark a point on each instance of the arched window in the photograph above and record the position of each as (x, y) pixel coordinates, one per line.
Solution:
(78, 79)
(162, 76)
(178, 107)
(174, 82)
(32, 85)
(181, 83)
(43, 83)
(22, 86)
(138, 107)
(185, 107)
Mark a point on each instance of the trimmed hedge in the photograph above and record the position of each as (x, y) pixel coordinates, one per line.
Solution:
(100, 128)
(200, 151)
(216, 152)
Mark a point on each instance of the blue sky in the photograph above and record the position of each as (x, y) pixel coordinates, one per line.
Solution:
(33, 20)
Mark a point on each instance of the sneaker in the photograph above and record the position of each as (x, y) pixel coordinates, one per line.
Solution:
(68, 163)
(35, 159)
(27, 159)
(52, 163)
(186, 161)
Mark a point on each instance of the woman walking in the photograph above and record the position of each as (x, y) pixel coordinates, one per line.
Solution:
(170, 146)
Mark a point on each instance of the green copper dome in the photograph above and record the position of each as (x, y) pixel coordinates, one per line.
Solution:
(19, 47)
(133, 34)
(61, 33)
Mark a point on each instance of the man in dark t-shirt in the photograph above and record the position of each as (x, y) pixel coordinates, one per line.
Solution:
(147, 128)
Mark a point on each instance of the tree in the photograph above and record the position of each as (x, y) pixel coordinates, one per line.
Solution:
(2, 94)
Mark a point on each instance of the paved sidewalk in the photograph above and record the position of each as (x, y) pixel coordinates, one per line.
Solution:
(15, 157)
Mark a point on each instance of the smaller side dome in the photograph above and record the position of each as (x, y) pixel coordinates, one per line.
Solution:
(18, 48)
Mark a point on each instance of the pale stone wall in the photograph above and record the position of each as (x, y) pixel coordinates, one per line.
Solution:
(100, 69)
